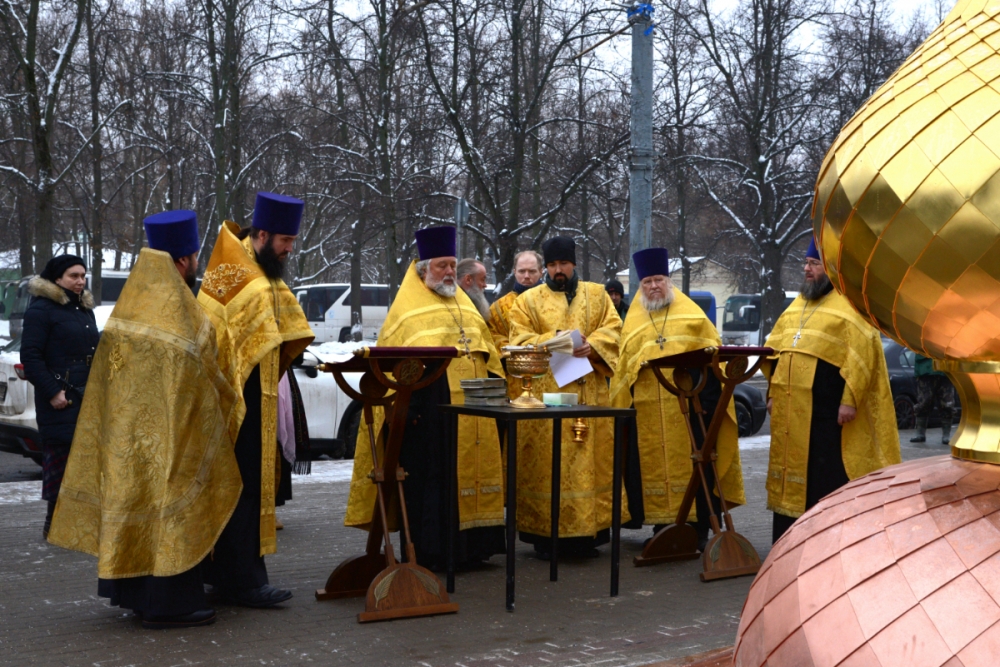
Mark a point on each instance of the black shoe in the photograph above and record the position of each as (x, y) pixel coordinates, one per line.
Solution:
(265, 596)
(918, 438)
(193, 620)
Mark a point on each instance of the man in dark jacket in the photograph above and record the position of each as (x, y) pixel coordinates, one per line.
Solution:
(933, 387)
(617, 293)
(57, 344)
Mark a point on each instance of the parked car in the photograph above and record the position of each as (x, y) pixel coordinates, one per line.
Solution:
(333, 417)
(18, 428)
(903, 383)
(751, 410)
(328, 309)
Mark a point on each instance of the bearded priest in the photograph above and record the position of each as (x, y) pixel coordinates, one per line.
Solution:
(430, 311)
(832, 418)
(565, 303)
(663, 322)
(260, 329)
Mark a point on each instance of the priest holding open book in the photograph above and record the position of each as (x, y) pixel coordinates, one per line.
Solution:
(564, 304)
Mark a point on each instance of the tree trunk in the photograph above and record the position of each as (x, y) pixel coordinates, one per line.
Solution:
(96, 149)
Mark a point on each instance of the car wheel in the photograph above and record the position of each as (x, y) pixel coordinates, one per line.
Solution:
(352, 434)
(906, 412)
(744, 420)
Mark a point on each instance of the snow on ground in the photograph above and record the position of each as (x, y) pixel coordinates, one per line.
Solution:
(15, 493)
(755, 442)
(334, 352)
(4, 329)
(324, 472)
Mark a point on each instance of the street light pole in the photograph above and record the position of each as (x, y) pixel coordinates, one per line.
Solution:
(641, 143)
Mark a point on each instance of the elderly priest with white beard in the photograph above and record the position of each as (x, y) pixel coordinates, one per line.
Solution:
(660, 323)
(429, 311)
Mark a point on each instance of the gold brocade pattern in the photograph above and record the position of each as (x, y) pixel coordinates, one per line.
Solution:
(258, 322)
(419, 318)
(838, 336)
(664, 445)
(220, 280)
(498, 324)
(151, 479)
(586, 468)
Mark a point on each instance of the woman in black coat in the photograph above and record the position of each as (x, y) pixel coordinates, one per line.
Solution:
(58, 341)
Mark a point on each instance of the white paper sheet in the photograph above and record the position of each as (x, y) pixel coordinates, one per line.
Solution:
(566, 368)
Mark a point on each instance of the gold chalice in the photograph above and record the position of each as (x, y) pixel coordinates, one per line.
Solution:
(526, 362)
(907, 213)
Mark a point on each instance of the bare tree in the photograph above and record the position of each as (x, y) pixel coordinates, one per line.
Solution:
(759, 171)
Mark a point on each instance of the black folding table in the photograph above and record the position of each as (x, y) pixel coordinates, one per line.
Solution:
(510, 416)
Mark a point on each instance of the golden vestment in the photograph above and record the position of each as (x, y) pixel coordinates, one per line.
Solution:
(419, 317)
(831, 330)
(498, 324)
(586, 473)
(151, 479)
(664, 445)
(258, 321)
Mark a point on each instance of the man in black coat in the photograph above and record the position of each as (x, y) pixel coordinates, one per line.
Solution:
(57, 344)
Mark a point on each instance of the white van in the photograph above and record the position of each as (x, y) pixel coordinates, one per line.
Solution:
(328, 309)
(741, 323)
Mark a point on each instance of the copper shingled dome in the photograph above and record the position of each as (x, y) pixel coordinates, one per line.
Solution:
(900, 567)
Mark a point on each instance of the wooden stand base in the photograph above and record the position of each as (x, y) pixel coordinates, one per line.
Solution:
(728, 554)
(352, 578)
(403, 591)
(673, 543)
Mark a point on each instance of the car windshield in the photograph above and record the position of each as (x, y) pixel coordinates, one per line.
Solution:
(741, 314)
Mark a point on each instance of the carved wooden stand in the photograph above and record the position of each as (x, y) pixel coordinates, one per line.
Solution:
(727, 554)
(392, 589)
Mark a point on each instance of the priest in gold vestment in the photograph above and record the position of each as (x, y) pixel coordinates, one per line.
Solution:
(662, 322)
(151, 478)
(565, 303)
(260, 329)
(832, 418)
(429, 311)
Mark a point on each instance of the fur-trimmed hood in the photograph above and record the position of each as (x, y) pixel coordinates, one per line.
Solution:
(47, 289)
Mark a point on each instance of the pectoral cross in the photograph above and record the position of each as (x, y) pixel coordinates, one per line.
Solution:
(796, 338)
(661, 340)
(464, 340)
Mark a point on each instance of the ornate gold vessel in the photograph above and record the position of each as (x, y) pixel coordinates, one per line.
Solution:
(526, 362)
(907, 213)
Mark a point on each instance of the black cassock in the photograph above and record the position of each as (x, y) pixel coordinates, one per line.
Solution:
(826, 472)
(424, 455)
(236, 562)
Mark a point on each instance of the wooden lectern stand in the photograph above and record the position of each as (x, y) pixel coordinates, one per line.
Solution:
(393, 589)
(727, 554)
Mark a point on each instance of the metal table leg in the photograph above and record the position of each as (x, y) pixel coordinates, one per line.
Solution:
(556, 492)
(511, 508)
(616, 506)
(452, 496)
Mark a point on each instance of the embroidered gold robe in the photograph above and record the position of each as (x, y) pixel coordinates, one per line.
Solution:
(419, 317)
(586, 468)
(834, 332)
(498, 324)
(258, 321)
(151, 479)
(664, 445)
